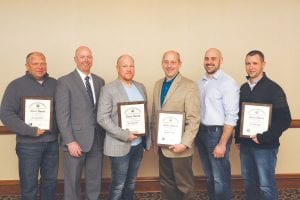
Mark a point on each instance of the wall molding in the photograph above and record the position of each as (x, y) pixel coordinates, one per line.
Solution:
(5, 131)
(151, 184)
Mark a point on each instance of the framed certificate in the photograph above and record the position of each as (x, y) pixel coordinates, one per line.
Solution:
(170, 126)
(133, 116)
(38, 111)
(255, 118)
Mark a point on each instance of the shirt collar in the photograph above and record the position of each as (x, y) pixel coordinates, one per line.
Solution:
(216, 75)
(170, 81)
(248, 78)
(82, 75)
(31, 77)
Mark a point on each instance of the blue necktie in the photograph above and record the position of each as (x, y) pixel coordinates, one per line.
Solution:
(89, 89)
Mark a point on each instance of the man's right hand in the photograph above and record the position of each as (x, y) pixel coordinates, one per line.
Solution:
(74, 149)
(132, 136)
(39, 132)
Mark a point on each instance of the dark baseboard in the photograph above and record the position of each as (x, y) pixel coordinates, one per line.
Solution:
(151, 184)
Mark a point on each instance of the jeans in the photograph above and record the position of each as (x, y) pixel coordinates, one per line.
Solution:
(35, 158)
(123, 173)
(217, 170)
(258, 171)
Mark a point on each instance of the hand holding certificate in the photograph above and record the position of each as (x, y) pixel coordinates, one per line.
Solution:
(37, 112)
(133, 116)
(255, 118)
(170, 127)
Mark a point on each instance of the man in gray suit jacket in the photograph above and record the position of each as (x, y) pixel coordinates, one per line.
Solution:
(76, 102)
(124, 147)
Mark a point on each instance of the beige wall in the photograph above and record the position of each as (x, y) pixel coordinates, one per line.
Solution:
(146, 29)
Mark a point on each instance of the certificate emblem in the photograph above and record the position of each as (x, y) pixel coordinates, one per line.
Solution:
(170, 127)
(133, 116)
(37, 112)
(255, 118)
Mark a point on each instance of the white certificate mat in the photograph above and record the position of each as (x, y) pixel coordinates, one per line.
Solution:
(133, 116)
(37, 112)
(170, 128)
(255, 118)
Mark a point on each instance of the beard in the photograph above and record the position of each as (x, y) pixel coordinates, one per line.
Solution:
(211, 69)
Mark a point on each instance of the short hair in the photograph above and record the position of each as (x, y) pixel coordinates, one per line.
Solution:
(256, 52)
(36, 53)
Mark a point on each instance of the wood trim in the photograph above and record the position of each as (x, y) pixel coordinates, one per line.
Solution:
(5, 131)
(151, 184)
(295, 123)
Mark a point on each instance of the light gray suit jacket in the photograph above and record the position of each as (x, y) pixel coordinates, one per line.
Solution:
(115, 143)
(76, 118)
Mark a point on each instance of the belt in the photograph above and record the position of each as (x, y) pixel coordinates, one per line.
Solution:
(210, 128)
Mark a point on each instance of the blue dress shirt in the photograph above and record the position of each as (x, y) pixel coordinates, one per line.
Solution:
(134, 95)
(165, 88)
(219, 99)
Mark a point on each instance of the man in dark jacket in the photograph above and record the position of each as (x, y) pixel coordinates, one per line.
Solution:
(258, 152)
(37, 146)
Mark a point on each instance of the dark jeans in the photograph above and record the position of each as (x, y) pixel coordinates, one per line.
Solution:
(217, 170)
(123, 174)
(258, 171)
(35, 158)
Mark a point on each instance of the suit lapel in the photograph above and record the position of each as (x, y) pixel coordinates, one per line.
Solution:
(122, 91)
(140, 89)
(97, 88)
(157, 95)
(172, 89)
(80, 84)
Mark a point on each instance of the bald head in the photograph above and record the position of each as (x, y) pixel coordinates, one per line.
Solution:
(212, 61)
(172, 53)
(82, 48)
(214, 51)
(125, 56)
(171, 63)
(126, 69)
(83, 59)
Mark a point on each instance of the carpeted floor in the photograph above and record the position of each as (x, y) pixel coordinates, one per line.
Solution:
(288, 194)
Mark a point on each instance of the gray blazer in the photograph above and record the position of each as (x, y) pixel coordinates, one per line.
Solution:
(115, 143)
(76, 118)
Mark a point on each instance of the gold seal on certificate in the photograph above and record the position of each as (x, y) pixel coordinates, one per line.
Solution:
(133, 116)
(255, 118)
(37, 112)
(170, 127)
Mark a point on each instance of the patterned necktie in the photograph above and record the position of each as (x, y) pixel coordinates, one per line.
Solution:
(89, 89)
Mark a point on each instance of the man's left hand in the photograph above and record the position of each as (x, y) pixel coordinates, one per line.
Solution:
(254, 139)
(178, 148)
(219, 151)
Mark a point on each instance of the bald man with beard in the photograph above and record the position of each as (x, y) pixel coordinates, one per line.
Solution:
(219, 103)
